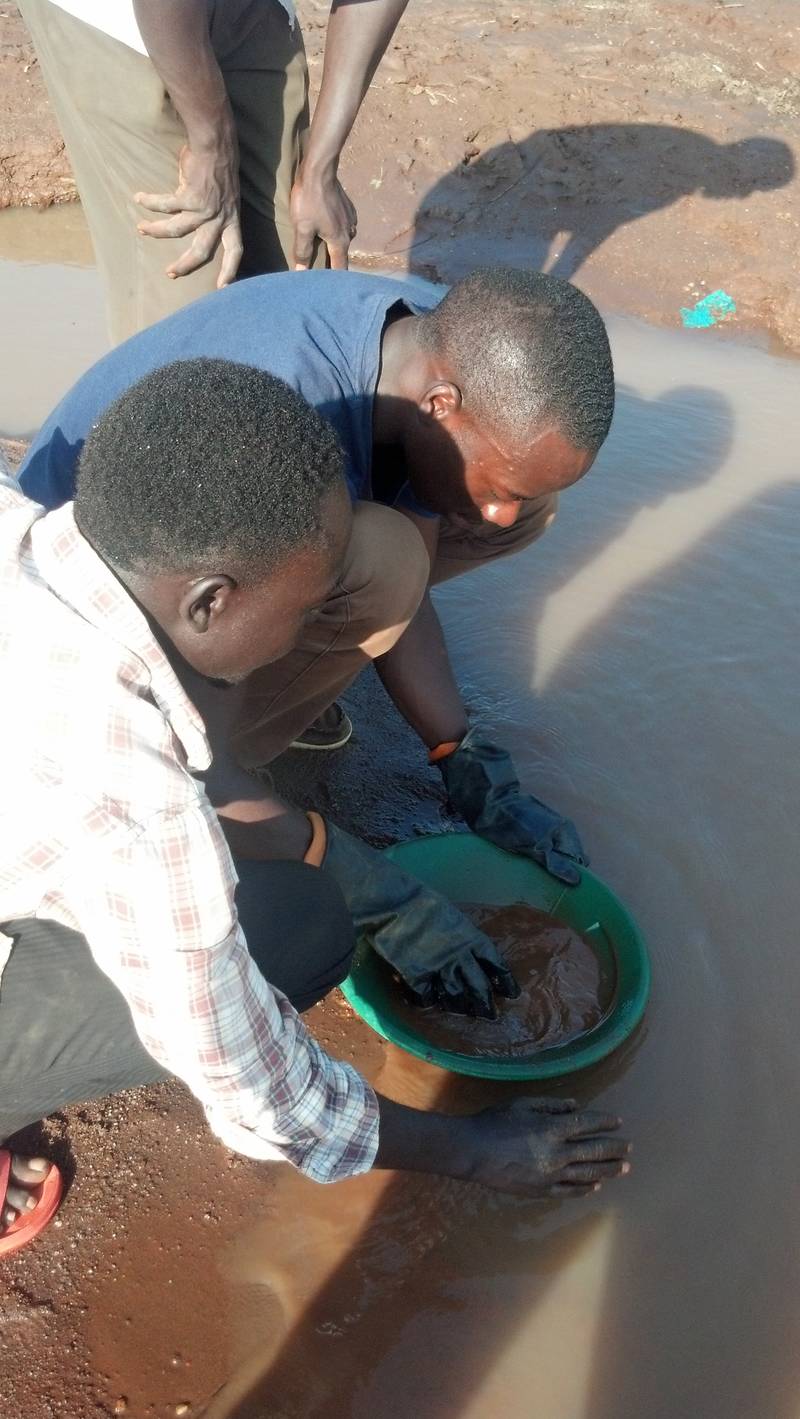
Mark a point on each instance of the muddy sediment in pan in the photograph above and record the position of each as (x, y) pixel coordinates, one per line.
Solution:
(638, 662)
(565, 989)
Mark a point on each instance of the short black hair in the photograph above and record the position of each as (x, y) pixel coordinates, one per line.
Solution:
(206, 461)
(527, 349)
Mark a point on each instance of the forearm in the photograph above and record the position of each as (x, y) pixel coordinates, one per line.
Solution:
(415, 1141)
(176, 36)
(418, 676)
(357, 36)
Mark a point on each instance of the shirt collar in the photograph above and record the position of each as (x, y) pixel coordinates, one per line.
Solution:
(80, 578)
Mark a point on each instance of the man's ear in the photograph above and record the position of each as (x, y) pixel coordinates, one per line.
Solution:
(441, 400)
(205, 601)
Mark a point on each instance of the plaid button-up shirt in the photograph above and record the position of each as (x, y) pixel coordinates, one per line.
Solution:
(104, 828)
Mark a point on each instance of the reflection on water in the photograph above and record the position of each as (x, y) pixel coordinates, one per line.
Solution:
(52, 306)
(639, 664)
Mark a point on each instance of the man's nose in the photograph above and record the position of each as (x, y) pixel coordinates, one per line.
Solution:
(501, 514)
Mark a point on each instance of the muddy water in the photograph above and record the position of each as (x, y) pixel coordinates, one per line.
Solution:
(52, 309)
(564, 989)
(640, 664)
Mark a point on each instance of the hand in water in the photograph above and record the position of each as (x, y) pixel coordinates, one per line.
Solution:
(441, 956)
(483, 787)
(206, 202)
(546, 1148)
(535, 1148)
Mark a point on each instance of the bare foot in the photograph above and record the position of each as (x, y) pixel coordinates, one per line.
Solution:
(27, 1174)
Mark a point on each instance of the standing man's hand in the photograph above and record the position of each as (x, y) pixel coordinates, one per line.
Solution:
(321, 212)
(354, 46)
(206, 203)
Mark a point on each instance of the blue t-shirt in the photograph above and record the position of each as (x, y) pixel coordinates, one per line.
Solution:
(319, 330)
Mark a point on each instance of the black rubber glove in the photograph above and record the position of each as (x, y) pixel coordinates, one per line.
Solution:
(483, 787)
(442, 957)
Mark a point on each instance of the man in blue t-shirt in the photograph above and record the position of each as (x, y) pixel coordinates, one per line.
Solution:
(462, 416)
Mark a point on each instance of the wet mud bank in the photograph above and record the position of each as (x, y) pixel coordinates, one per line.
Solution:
(647, 148)
(638, 663)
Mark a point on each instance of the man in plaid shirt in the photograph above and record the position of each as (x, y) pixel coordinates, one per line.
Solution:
(144, 932)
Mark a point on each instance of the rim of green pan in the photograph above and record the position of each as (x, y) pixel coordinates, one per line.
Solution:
(469, 869)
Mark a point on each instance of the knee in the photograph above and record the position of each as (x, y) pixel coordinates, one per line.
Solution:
(297, 926)
(330, 964)
(388, 575)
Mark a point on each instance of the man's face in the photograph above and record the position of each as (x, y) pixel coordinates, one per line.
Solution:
(465, 474)
(227, 631)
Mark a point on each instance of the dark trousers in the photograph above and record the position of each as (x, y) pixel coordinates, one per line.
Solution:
(66, 1032)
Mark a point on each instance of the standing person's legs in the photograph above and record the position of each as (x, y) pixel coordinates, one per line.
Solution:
(123, 136)
(66, 1032)
(462, 549)
(263, 61)
(381, 585)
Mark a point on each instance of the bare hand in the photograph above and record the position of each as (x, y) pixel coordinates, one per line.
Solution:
(205, 202)
(321, 211)
(546, 1148)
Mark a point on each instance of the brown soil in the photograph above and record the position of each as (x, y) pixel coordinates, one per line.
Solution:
(499, 130)
(120, 1308)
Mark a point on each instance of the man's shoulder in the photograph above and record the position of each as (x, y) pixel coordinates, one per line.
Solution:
(12, 497)
(249, 320)
(318, 292)
(302, 326)
(18, 513)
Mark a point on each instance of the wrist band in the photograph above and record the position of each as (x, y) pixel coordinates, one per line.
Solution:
(319, 840)
(442, 750)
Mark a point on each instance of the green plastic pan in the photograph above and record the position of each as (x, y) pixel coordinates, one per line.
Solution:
(468, 869)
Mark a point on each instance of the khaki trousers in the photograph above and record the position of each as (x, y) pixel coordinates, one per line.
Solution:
(384, 578)
(123, 135)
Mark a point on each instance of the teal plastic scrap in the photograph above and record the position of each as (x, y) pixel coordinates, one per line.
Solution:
(708, 311)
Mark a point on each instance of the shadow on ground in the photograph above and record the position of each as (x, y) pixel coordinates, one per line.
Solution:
(513, 202)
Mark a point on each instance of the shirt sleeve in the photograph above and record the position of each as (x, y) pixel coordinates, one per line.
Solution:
(159, 915)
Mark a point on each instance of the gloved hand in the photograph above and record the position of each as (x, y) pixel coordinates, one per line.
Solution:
(442, 957)
(483, 787)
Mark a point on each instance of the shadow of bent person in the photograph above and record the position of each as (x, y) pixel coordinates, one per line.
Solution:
(664, 488)
(412, 1316)
(673, 451)
(512, 202)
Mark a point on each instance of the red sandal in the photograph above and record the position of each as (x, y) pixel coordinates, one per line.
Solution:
(29, 1224)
